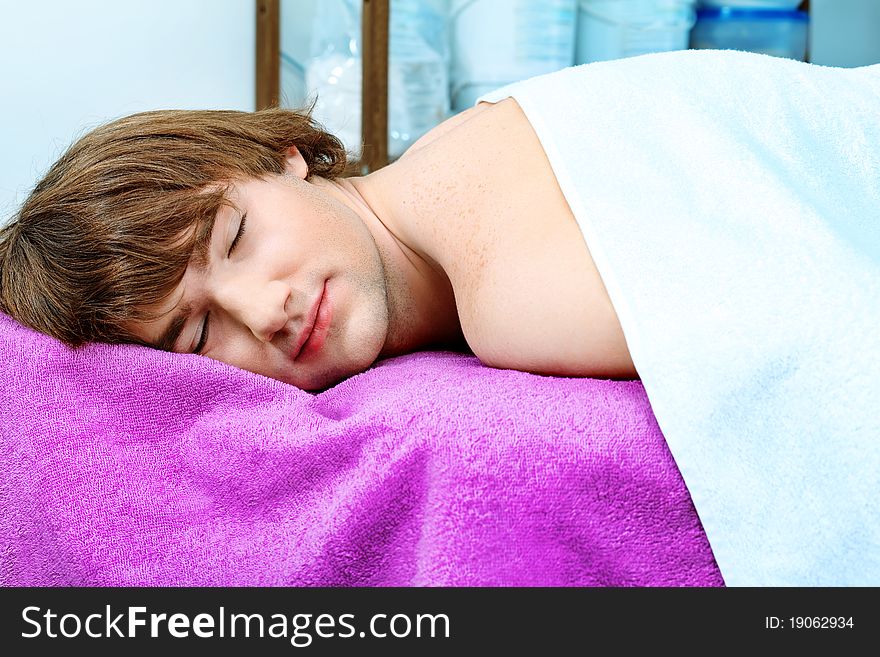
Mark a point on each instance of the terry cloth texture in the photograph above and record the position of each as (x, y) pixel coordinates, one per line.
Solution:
(126, 466)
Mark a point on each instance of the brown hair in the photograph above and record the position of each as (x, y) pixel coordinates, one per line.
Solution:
(111, 227)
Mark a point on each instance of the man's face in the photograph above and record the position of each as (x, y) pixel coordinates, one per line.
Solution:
(254, 303)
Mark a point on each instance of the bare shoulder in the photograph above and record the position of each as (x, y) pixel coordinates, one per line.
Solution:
(481, 201)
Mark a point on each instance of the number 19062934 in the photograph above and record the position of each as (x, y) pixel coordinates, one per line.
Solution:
(809, 622)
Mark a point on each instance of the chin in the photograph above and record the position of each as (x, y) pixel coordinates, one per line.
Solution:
(323, 383)
(324, 378)
(338, 363)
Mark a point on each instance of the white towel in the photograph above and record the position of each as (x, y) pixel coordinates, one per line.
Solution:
(731, 202)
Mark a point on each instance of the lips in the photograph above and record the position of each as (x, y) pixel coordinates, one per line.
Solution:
(309, 325)
(318, 336)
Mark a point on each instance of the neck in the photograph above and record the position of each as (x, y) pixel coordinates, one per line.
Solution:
(421, 302)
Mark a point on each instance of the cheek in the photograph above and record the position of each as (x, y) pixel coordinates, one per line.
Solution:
(245, 352)
(344, 234)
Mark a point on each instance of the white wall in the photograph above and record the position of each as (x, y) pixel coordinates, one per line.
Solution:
(68, 66)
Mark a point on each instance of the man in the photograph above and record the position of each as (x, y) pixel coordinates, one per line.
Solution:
(465, 242)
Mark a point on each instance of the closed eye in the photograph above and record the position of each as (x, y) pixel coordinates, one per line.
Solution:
(238, 235)
(203, 338)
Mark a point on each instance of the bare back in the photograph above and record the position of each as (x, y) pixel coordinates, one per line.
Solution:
(480, 199)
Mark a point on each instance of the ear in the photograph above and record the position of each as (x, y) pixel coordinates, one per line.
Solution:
(295, 164)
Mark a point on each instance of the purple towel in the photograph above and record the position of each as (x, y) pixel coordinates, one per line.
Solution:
(127, 466)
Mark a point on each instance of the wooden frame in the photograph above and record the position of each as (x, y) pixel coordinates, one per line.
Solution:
(268, 53)
(374, 90)
(374, 96)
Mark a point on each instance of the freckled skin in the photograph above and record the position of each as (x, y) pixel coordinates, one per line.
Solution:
(528, 294)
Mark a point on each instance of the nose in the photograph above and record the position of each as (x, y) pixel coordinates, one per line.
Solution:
(258, 305)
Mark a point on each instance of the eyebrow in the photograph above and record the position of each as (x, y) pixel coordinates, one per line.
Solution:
(200, 261)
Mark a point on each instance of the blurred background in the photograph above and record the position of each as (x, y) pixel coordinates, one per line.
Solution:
(70, 66)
